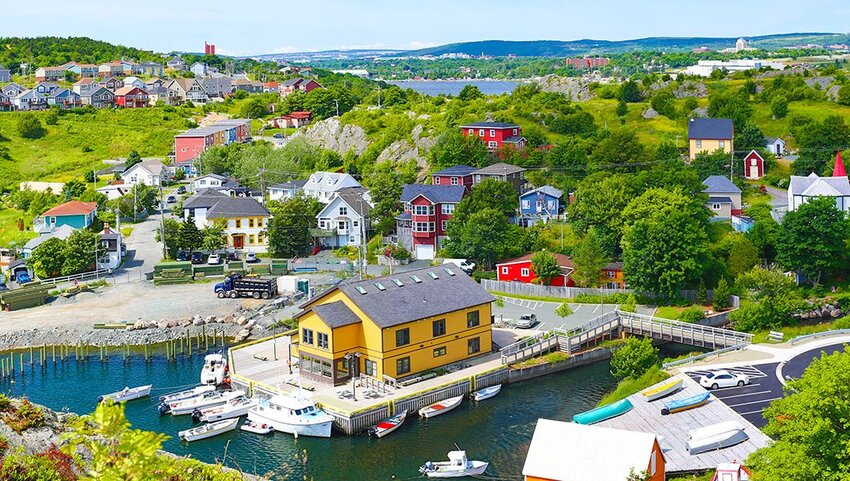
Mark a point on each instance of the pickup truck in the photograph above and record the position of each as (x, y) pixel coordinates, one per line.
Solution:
(463, 264)
(238, 285)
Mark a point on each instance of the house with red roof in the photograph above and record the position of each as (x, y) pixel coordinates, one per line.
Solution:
(75, 214)
(521, 270)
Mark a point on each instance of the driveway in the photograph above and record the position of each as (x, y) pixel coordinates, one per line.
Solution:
(143, 251)
(545, 312)
(779, 197)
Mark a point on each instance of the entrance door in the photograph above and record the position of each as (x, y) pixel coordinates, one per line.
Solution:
(754, 172)
(239, 241)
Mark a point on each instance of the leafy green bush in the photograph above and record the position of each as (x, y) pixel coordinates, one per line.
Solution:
(634, 358)
(692, 314)
(629, 386)
(26, 416)
(478, 275)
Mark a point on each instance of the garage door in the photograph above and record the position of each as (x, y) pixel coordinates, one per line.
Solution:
(424, 252)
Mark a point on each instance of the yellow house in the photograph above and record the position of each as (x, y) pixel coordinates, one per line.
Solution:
(710, 135)
(395, 326)
(245, 222)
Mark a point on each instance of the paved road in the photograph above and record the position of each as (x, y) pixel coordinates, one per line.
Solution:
(779, 197)
(795, 366)
(143, 251)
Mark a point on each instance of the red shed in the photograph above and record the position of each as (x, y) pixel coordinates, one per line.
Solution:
(753, 166)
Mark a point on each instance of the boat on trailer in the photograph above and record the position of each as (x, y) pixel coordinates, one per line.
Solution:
(457, 466)
(208, 430)
(441, 407)
(717, 436)
(187, 394)
(388, 425)
(127, 394)
(602, 413)
(662, 390)
(679, 405)
(486, 393)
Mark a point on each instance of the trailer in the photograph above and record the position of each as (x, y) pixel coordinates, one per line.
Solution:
(237, 285)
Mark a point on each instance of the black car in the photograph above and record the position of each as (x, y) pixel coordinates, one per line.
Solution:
(183, 256)
(198, 258)
(181, 189)
(231, 256)
(171, 199)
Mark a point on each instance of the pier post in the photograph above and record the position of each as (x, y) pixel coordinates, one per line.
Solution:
(22, 364)
(53, 353)
(12, 364)
(32, 359)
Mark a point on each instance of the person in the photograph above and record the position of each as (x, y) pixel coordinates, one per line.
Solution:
(75, 283)
(289, 365)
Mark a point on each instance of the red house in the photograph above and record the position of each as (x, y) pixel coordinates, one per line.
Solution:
(495, 134)
(191, 144)
(520, 270)
(288, 86)
(131, 97)
(753, 166)
(456, 175)
(427, 211)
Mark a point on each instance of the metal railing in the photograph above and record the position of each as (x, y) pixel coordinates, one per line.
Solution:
(80, 277)
(686, 333)
(836, 332)
(705, 355)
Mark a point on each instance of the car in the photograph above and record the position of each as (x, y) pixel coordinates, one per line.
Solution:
(3, 287)
(181, 189)
(526, 321)
(182, 256)
(197, 258)
(251, 258)
(723, 378)
(214, 259)
(171, 199)
(278, 135)
(231, 256)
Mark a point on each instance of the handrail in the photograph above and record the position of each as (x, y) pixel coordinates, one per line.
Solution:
(79, 277)
(522, 344)
(835, 332)
(697, 357)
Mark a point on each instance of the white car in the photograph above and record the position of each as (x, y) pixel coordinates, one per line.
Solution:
(214, 259)
(526, 321)
(718, 379)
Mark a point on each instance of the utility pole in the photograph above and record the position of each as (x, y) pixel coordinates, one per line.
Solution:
(162, 221)
(731, 166)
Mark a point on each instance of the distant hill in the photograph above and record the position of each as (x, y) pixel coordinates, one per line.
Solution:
(45, 51)
(327, 55)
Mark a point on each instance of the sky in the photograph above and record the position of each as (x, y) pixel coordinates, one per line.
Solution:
(278, 26)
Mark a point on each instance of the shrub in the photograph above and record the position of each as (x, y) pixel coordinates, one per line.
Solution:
(692, 314)
(29, 127)
(478, 275)
(634, 358)
(629, 386)
(26, 416)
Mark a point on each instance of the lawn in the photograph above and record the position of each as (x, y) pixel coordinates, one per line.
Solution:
(668, 312)
(8, 227)
(791, 332)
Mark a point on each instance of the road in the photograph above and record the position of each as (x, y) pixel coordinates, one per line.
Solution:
(143, 251)
(779, 197)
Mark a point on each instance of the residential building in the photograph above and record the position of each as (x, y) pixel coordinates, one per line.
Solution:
(541, 204)
(422, 227)
(151, 69)
(112, 83)
(293, 119)
(455, 175)
(562, 451)
(208, 181)
(64, 99)
(250, 86)
(394, 327)
(295, 84)
(199, 69)
(803, 189)
(50, 74)
(153, 83)
(521, 270)
(753, 166)
(147, 172)
(587, 62)
(158, 94)
(192, 143)
(345, 220)
(75, 214)
(114, 191)
(495, 134)
(775, 146)
(84, 70)
(286, 190)
(98, 98)
(176, 63)
(271, 87)
(502, 171)
(245, 219)
(30, 100)
(111, 69)
(45, 88)
(710, 135)
(111, 249)
(5, 74)
(183, 89)
(12, 89)
(5, 102)
(62, 232)
(131, 97)
(322, 186)
(216, 85)
(724, 197)
(85, 85)
(134, 82)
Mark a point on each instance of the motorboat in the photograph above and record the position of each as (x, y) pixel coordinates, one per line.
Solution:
(731, 472)
(187, 394)
(257, 428)
(388, 425)
(295, 414)
(127, 394)
(486, 393)
(236, 407)
(717, 436)
(441, 407)
(662, 390)
(207, 400)
(456, 467)
(208, 430)
(214, 371)
(679, 405)
(602, 413)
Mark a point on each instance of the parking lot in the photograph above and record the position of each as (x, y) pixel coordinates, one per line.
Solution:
(545, 312)
(749, 400)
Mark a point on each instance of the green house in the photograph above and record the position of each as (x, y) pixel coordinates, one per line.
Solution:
(74, 214)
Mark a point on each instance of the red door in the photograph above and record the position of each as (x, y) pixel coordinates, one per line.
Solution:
(238, 241)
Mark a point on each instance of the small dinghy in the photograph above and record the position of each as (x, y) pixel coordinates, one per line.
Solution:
(208, 430)
(127, 394)
(662, 390)
(456, 467)
(679, 405)
(714, 437)
(257, 428)
(486, 393)
(234, 408)
(441, 407)
(602, 413)
(187, 394)
(388, 425)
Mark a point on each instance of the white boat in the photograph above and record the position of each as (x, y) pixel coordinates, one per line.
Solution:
(187, 394)
(257, 428)
(662, 390)
(127, 394)
(294, 414)
(441, 407)
(388, 425)
(214, 370)
(486, 393)
(713, 429)
(456, 467)
(715, 437)
(207, 400)
(208, 430)
(234, 408)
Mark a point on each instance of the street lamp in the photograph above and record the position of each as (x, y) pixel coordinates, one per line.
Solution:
(353, 359)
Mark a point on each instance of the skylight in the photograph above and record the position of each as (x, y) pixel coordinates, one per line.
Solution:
(380, 286)
(398, 282)
(433, 275)
(448, 271)
(416, 279)
(360, 290)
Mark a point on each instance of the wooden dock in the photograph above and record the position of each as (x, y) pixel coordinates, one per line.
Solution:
(673, 429)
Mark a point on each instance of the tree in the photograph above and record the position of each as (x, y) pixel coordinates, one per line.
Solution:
(634, 358)
(764, 233)
(254, 108)
(772, 298)
(748, 136)
(599, 202)
(629, 92)
(616, 151)
(743, 256)
(589, 258)
(622, 109)
(29, 127)
(79, 252)
(489, 194)
(386, 183)
(545, 267)
(180, 174)
(730, 105)
(172, 236)
(289, 229)
(453, 148)
(485, 235)
(90, 176)
(630, 305)
(711, 163)
(779, 107)
(843, 96)
(818, 142)
(133, 158)
(73, 189)
(564, 310)
(813, 238)
(469, 92)
(664, 103)
(47, 260)
(721, 295)
(190, 237)
(214, 236)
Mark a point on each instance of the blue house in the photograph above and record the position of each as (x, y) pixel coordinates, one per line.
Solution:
(541, 204)
(75, 214)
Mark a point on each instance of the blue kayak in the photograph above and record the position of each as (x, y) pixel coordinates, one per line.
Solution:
(602, 413)
(680, 405)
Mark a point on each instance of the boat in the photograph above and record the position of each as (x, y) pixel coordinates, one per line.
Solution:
(486, 393)
(257, 428)
(127, 394)
(731, 472)
(295, 414)
(602, 413)
(236, 407)
(187, 394)
(661, 391)
(215, 370)
(207, 400)
(441, 407)
(388, 425)
(679, 405)
(714, 437)
(208, 430)
(456, 467)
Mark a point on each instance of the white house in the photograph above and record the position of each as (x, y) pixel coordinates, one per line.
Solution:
(345, 220)
(802, 189)
(135, 82)
(209, 181)
(112, 249)
(775, 146)
(323, 185)
(147, 172)
(62, 232)
(286, 190)
(113, 192)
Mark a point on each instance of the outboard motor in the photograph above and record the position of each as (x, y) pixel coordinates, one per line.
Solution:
(164, 409)
(196, 415)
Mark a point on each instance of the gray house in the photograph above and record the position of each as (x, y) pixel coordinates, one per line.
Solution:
(99, 98)
(5, 74)
(724, 197)
(216, 85)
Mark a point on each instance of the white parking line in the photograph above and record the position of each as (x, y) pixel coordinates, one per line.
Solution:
(743, 395)
(579, 306)
(751, 412)
(596, 309)
(754, 402)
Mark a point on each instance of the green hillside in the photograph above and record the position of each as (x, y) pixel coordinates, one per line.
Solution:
(40, 51)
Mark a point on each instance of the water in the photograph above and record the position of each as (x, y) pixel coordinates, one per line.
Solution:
(453, 87)
(496, 430)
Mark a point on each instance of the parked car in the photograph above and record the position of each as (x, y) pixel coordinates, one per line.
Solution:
(463, 264)
(718, 379)
(278, 135)
(183, 256)
(526, 321)
(214, 259)
(181, 189)
(231, 256)
(197, 258)
(171, 199)
(251, 258)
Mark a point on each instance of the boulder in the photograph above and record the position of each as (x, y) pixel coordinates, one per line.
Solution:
(140, 324)
(197, 321)
(835, 314)
(649, 113)
(241, 321)
(574, 88)
(332, 135)
(242, 335)
(163, 324)
(251, 324)
(185, 323)
(209, 320)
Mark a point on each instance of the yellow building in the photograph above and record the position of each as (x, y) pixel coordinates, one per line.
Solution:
(710, 135)
(395, 326)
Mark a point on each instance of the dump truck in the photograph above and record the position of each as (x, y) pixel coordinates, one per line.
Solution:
(238, 285)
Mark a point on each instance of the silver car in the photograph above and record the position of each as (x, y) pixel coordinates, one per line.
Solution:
(526, 321)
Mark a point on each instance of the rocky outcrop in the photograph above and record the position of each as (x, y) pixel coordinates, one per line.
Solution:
(690, 88)
(332, 135)
(832, 93)
(649, 113)
(820, 82)
(575, 88)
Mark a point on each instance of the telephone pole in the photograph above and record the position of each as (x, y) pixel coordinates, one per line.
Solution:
(162, 222)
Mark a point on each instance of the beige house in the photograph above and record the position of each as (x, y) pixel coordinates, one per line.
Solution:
(724, 197)
(710, 135)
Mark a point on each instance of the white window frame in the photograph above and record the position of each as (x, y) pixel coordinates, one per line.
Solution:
(455, 181)
(437, 180)
(699, 143)
(492, 144)
(715, 206)
(526, 204)
(721, 144)
(443, 225)
(515, 132)
(492, 132)
(504, 270)
(525, 272)
(481, 132)
(471, 131)
(447, 209)
(343, 210)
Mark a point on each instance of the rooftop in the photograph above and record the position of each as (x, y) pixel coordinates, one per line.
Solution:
(546, 189)
(459, 170)
(719, 184)
(437, 194)
(499, 169)
(229, 207)
(73, 207)
(335, 314)
(490, 125)
(719, 129)
(813, 185)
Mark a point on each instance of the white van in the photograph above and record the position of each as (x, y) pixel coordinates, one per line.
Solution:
(464, 265)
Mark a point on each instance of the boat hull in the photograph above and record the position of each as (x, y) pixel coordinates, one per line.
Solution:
(129, 395)
(486, 393)
(680, 405)
(251, 427)
(602, 413)
(441, 407)
(718, 441)
(192, 435)
(184, 395)
(474, 468)
(318, 429)
(227, 414)
(387, 426)
(662, 391)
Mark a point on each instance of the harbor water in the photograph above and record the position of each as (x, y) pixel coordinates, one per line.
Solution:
(453, 87)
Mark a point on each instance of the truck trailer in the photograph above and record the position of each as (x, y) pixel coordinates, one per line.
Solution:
(238, 285)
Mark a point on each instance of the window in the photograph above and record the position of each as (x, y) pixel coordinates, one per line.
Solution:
(524, 272)
(492, 133)
(471, 131)
(431, 226)
(440, 351)
(371, 367)
(352, 238)
(477, 178)
(611, 274)
(252, 239)
(342, 225)
(423, 210)
(203, 182)
(402, 337)
(492, 144)
(444, 224)
(474, 345)
(715, 206)
(423, 227)
(260, 238)
(504, 270)
(238, 223)
(447, 209)
(322, 340)
(250, 223)
(438, 327)
(402, 366)
(721, 143)
(699, 143)
(481, 132)
(454, 181)
(652, 463)
(307, 336)
(526, 204)
(472, 319)
(436, 181)
(515, 132)
(343, 210)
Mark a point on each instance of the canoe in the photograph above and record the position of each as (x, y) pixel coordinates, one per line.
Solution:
(441, 407)
(486, 393)
(388, 425)
(663, 390)
(208, 430)
(602, 413)
(127, 394)
(716, 437)
(680, 405)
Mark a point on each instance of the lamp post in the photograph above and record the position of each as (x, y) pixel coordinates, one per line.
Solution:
(353, 359)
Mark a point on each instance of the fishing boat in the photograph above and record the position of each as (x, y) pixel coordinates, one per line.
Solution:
(294, 414)
(207, 400)
(486, 393)
(187, 394)
(234, 408)
(388, 425)
(731, 472)
(717, 436)
(602, 413)
(441, 407)
(127, 394)
(662, 390)
(214, 371)
(679, 405)
(257, 428)
(208, 430)
(456, 467)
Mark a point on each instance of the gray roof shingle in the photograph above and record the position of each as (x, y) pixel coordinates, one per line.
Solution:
(437, 194)
(719, 184)
(335, 314)
(500, 169)
(230, 207)
(719, 200)
(490, 125)
(717, 129)
(458, 170)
